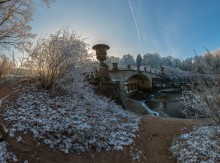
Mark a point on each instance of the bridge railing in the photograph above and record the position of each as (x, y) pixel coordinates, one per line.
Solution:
(132, 67)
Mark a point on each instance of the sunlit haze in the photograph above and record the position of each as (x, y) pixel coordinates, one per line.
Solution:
(171, 27)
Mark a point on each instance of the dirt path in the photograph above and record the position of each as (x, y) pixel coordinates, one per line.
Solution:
(156, 137)
(153, 140)
(5, 89)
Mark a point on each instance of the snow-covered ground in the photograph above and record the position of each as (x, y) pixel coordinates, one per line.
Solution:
(200, 145)
(72, 123)
(4, 154)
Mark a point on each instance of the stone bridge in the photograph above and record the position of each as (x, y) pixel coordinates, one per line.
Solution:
(133, 78)
(130, 78)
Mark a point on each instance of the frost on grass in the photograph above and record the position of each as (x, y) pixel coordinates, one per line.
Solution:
(72, 123)
(136, 154)
(4, 154)
(200, 145)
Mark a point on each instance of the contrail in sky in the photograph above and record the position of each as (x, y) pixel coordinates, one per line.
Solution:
(135, 20)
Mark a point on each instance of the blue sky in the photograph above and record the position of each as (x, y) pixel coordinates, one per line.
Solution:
(168, 27)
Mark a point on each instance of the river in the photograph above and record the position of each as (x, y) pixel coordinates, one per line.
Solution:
(166, 102)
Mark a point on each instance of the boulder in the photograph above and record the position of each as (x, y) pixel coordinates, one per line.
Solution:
(134, 106)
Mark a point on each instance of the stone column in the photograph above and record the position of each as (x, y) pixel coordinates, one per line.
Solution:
(103, 74)
(129, 67)
(138, 67)
(101, 52)
(162, 71)
(103, 82)
(115, 66)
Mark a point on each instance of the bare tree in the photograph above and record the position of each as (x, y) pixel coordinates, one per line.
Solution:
(15, 16)
(6, 65)
(61, 58)
(127, 60)
(138, 61)
(202, 97)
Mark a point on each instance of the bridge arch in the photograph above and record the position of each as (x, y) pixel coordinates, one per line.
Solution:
(143, 79)
(137, 82)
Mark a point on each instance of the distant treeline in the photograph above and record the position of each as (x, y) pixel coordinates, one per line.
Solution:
(206, 63)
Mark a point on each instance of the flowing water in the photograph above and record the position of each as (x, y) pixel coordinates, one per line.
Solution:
(166, 101)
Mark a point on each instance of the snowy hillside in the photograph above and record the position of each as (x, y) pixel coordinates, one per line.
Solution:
(79, 123)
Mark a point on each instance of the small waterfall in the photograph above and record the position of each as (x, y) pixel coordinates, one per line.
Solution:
(153, 113)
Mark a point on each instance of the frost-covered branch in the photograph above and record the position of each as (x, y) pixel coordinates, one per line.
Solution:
(60, 59)
(15, 16)
(6, 65)
(202, 97)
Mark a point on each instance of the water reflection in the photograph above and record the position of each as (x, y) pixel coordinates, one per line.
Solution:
(166, 101)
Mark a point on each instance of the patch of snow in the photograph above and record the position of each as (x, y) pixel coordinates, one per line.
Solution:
(19, 139)
(136, 154)
(200, 145)
(72, 123)
(5, 155)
